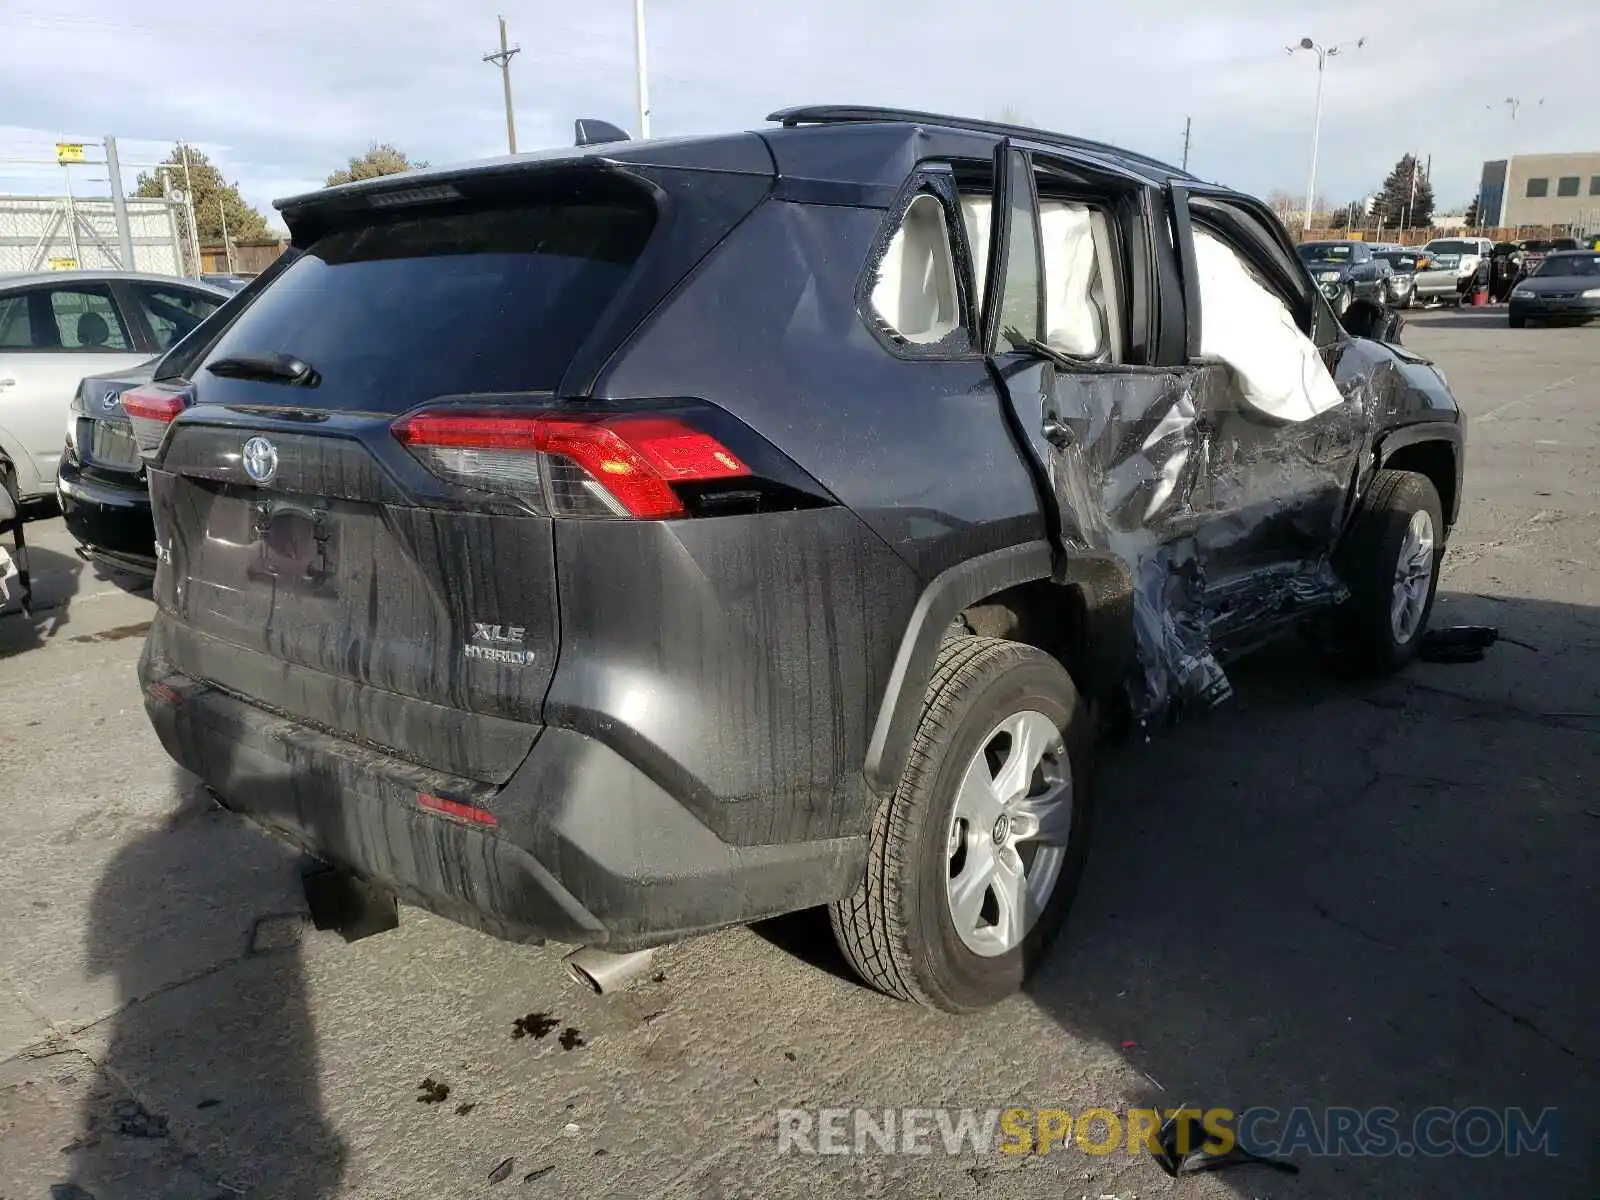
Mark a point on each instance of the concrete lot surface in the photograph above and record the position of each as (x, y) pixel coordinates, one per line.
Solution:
(1322, 894)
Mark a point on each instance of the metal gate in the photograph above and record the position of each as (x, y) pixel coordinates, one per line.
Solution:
(41, 233)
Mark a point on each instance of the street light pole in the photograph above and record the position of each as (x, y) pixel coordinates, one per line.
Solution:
(1323, 53)
(641, 68)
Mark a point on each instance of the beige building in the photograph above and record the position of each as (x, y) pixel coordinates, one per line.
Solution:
(1545, 189)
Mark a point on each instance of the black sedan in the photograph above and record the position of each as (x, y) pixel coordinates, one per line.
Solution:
(1346, 272)
(1564, 287)
(101, 484)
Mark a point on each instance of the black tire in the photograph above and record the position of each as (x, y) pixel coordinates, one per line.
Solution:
(1517, 322)
(1367, 561)
(896, 929)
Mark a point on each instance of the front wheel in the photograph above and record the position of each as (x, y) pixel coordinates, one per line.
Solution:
(1390, 560)
(976, 857)
(1517, 322)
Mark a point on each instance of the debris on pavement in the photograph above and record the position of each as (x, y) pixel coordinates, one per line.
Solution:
(538, 1174)
(502, 1171)
(535, 1025)
(132, 1119)
(1175, 1162)
(433, 1092)
(570, 1129)
(1457, 643)
(463, 1109)
(571, 1039)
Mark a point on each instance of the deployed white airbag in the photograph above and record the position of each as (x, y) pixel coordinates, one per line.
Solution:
(1073, 308)
(1245, 325)
(915, 292)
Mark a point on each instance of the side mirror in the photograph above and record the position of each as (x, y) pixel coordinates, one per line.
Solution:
(1364, 319)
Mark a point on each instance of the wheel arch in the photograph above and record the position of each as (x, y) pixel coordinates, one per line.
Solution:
(1080, 612)
(1434, 450)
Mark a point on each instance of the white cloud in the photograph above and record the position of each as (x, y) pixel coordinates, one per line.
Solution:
(280, 95)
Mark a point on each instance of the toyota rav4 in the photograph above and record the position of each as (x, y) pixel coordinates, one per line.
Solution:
(617, 543)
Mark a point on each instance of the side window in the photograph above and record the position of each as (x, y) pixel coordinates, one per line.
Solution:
(1245, 323)
(172, 312)
(1082, 304)
(914, 294)
(86, 319)
(16, 329)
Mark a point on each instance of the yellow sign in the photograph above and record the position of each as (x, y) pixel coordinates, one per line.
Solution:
(63, 264)
(69, 152)
(1357, 236)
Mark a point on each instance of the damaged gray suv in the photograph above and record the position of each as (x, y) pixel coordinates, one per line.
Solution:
(614, 544)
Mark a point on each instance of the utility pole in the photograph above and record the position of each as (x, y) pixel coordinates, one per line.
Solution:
(1323, 53)
(119, 206)
(641, 69)
(502, 59)
(1188, 123)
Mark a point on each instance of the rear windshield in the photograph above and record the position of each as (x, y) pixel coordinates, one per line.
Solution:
(1453, 246)
(1326, 252)
(422, 304)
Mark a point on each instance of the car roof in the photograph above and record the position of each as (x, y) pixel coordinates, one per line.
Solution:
(861, 146)
(19, 279)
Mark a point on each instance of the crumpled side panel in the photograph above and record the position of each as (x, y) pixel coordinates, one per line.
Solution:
(1224, 518)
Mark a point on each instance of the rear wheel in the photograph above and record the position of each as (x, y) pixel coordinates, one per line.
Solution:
(976, 857)
(1390, 559)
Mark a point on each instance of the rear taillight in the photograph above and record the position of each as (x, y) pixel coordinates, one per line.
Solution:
(574, 465)
(150, 410)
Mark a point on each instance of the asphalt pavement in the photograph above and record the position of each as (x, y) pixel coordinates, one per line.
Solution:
(1324, 894)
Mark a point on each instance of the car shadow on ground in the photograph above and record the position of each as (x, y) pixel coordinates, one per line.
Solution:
(210, 1083)
(56, 580)
(1336, 893)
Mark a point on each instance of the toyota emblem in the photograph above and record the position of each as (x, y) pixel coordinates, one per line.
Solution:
(260, 460)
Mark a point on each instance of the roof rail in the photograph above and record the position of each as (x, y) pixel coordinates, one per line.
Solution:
(845, 114)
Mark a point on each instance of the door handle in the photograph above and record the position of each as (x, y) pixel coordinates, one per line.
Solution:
(5, 383)
(1057, 434)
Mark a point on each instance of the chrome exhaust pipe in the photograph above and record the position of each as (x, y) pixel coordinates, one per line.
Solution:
(605, 972)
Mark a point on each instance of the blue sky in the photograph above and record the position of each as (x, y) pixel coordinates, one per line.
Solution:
(280, 94)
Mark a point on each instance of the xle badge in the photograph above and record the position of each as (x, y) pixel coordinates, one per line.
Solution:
(500, 643)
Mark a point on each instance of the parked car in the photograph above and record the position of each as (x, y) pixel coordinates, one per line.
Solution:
(58, 326)
(1346, 272)
(101, 483)
(1400, 286)
(1469, 255)
(1565, 286)
(614, 544)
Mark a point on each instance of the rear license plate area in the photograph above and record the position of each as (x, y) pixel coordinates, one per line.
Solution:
(293, 545)
(113, 446)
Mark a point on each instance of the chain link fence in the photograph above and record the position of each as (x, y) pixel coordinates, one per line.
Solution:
(42, 233)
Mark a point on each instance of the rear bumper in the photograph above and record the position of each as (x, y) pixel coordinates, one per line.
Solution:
(110, 521)
(586, 848)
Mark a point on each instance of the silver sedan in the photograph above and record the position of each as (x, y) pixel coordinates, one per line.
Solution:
(58, 326)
